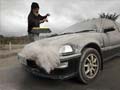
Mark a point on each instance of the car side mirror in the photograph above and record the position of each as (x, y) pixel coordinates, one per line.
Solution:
(109, 29)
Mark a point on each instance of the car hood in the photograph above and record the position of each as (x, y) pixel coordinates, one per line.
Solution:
(69, 38)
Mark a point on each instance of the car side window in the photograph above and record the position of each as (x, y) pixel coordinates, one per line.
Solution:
(118, 26)
(106, 23)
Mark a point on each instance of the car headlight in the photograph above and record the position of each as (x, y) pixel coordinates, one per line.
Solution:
(66, 50)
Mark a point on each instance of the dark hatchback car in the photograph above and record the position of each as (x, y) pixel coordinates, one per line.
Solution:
(82, 49)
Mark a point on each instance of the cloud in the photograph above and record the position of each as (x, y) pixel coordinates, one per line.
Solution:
(13, 16)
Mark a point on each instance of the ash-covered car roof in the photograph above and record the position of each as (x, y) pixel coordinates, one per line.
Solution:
(91, 24)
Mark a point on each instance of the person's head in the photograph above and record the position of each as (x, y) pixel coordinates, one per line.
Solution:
(35, 8)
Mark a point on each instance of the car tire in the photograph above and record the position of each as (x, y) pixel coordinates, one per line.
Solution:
(89, 65)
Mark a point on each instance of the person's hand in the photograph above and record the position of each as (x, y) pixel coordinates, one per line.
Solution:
(47, 14)
(45, 20)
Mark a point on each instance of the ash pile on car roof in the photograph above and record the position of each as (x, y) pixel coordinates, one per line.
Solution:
(46, 57)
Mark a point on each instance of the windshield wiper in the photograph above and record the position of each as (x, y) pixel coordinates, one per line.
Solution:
(76, 32)
(84, 31)
(52, 35)
(66, 33)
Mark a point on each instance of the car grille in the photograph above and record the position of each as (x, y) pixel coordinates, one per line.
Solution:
(71, 67)
(31, 63)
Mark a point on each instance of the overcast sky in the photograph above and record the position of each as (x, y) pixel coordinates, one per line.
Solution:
(13, 13)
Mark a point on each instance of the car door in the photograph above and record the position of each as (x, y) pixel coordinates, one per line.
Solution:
(111, 38)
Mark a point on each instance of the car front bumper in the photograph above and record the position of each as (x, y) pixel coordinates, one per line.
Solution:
(57, 73)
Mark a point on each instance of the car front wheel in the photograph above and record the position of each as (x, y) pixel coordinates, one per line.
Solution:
(89, 65)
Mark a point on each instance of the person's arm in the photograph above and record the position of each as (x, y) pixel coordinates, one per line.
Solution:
(43, 17)
(44, 20)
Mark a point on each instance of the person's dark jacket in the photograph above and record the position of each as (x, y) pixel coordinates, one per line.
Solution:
(34, 21)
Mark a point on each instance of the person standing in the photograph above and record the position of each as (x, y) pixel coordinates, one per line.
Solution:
(35, 19)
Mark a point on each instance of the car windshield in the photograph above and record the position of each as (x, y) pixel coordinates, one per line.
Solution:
(85, 26)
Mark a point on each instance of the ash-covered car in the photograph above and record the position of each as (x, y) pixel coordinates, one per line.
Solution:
(80, 51)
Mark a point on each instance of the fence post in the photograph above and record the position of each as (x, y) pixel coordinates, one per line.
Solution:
(10, 46)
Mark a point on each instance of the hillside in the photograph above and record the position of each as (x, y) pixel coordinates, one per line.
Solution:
(14, 40)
